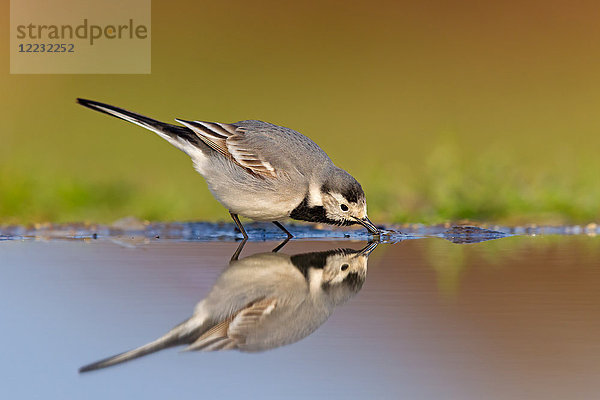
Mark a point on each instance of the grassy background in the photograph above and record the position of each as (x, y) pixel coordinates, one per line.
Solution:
(443, 111)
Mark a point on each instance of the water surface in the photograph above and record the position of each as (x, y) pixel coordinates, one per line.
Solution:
(511, 318)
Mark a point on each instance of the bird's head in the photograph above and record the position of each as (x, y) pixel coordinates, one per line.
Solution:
(334, 275)
(342, 265)
(344, 200)
(344, 273)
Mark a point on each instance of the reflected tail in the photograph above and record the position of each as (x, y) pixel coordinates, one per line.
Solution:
(179, 335)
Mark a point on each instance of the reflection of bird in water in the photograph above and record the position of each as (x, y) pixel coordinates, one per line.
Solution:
(264, 301)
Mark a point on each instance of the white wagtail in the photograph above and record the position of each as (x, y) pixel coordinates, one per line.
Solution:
(262, 302)
(262, 171)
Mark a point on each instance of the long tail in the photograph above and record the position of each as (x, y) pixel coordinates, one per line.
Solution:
(181, 334)
(179, 136)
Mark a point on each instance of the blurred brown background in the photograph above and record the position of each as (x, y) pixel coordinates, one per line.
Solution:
(442, 110)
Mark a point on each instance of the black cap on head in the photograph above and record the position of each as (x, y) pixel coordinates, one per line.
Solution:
(339, 181)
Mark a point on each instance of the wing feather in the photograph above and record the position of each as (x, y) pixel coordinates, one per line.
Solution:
(232, 332)
(228, 140)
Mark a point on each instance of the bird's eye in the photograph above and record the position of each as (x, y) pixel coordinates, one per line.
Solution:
(344, 267)
(344, 207)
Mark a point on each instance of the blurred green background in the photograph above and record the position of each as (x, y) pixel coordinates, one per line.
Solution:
(442, 110)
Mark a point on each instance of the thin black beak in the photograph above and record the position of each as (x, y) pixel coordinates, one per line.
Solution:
(369, 225)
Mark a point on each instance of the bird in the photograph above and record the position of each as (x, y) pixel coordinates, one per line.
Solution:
(261, 171)
(264, 301)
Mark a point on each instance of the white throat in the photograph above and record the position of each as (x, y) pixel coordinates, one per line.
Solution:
(315, 279)
(314, 195)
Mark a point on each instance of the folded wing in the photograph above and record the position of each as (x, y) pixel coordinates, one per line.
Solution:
(231, 333)
(229, 140)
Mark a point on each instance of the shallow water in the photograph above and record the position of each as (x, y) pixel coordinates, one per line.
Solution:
(511, 318)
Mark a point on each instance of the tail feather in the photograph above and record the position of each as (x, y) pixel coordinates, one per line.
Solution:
(149, 348)
(180, 136)
(184, 333)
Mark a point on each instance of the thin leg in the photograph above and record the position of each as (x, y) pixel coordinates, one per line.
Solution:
(277, 224)
(280, 245)
(239, 224)
(237, 252)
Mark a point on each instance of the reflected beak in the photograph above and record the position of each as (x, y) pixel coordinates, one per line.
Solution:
(369, 225)
(368, 249)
